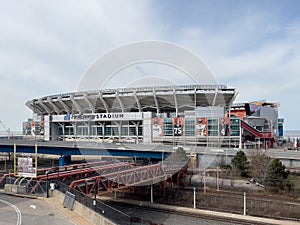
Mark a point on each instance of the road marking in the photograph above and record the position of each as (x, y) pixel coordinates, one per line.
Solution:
(32, 206)
(19, 215)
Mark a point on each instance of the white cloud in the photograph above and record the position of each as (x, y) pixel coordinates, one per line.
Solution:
(46, 46)
(255, 53)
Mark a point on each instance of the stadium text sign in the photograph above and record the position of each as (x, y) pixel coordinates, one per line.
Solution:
(108, 116)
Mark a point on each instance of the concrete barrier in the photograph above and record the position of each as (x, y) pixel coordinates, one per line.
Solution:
(11, 188)
(84, 211)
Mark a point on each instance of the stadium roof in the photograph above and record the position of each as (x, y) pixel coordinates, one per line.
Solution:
(157, 99)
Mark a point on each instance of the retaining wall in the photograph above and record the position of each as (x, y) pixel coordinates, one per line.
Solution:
(82, 210)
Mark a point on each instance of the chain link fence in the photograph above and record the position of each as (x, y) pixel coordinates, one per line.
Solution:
(255, 206)
(224, 201)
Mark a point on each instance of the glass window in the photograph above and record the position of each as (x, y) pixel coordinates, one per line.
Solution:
(190, 127)
(107, 131)
(85, 131)
(132, 131)
(79, 131)
(99, 131)
(93, 131)
(124, 131)
(168, 127)
(140, 131)
(213, 127)
(234, 127)
(60, 131)
(69, 130)
(115, 130)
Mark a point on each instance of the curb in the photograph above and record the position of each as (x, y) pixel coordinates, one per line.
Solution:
(20, 195)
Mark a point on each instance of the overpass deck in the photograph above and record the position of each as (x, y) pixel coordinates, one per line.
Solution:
(75, 148)
(290, 158)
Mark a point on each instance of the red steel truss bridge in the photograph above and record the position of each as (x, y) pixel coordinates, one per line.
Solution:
(135, 176)
(103, 176)
(42, 171)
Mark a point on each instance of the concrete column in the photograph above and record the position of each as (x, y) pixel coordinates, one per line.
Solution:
(61, 161)
(64, 160)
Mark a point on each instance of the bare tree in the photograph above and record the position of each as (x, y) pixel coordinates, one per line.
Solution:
(259, 165)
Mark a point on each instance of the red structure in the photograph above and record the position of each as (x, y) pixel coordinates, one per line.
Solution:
(105, 176)
(70, 175)
(255, 132)
(60, 168)
(144, 175)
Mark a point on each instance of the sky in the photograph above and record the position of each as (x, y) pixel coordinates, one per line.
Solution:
(47, 46)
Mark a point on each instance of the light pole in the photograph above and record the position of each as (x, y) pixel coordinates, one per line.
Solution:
(47, 185)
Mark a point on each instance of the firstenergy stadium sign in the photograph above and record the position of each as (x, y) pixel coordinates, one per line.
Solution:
(98, 117)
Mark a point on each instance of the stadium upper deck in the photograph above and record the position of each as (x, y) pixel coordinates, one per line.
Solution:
(144, 99)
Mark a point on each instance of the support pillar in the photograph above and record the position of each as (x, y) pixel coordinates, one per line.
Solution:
(61, 161)
(64, 160)
(68, 159)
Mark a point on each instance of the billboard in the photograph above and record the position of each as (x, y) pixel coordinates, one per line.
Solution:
(178, 126)
(238, 113)
(42, 127)
(25, 167)
(33, 128)
(157, 127)
(25, 128)
(224, 125)
(201, 127)
(252, 107)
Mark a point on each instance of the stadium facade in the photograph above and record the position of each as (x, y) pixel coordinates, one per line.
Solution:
(186, 114)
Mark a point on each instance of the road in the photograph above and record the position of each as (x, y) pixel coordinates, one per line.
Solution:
(18, 210)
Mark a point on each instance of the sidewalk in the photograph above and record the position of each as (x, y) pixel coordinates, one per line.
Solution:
(74, 217)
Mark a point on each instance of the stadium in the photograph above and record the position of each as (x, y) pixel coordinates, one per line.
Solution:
(203, 115)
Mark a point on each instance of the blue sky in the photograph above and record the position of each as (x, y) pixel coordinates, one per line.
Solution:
(47, 46)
